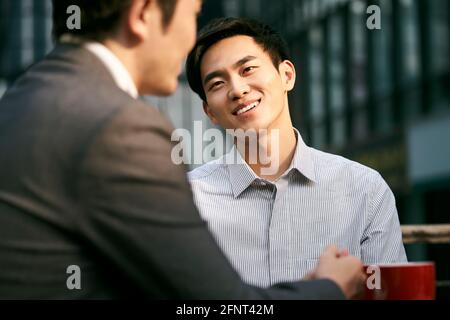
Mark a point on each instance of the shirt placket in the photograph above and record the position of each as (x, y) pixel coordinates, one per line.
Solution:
(279, 234)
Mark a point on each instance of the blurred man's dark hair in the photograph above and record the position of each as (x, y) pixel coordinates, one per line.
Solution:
(222, 28)
(99, 18)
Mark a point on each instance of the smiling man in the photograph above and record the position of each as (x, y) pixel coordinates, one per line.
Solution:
(274, 226)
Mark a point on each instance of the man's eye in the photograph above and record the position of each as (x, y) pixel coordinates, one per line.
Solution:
(248, 69)
(215, 85)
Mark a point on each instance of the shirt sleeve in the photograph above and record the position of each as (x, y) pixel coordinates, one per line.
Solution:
(382, 238)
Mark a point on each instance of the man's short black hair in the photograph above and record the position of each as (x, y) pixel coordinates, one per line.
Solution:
(222, 28)
(99, 18)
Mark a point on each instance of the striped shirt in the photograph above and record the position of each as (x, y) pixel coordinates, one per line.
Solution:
(274, 232)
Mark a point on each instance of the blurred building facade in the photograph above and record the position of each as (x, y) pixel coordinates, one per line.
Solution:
(380, 97)
(25, 36)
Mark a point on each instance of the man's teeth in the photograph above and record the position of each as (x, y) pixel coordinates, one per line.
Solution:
(247, 108)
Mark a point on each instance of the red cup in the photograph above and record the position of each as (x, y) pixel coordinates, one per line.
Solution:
(401, 281)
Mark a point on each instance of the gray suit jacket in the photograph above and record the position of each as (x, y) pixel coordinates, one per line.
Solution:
(86, 179)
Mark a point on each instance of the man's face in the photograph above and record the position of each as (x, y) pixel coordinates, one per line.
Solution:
(168, 47)
(242, 86)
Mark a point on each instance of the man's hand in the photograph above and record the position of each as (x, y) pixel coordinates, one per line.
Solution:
(345, 270)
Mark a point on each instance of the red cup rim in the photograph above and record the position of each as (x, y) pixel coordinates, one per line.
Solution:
(401, 264)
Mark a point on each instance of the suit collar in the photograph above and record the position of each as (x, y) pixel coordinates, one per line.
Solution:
(117, 69)
(83, 61)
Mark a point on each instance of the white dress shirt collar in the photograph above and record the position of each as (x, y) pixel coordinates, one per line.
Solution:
(242, 176)
(118, 71)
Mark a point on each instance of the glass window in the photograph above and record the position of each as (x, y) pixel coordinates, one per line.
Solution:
(11, 41)
(412, 104)
(253, 8)
(319, 136)
(27, 40)
(384, 116)
(41, 30)
(440, 53)
(358, 66)
(48, 25)
(231, 7)
(338, 133)
(382, 55)
(296, 15)
(440, 47)
(360, 126)
(441, 95)
(409, 37)
(315, 7)
(306, 11)
(336, 57)
(316, 74)
(410, 59)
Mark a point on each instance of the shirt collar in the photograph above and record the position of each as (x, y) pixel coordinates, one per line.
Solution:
(303, 161)
(242, 176)
(118, 71)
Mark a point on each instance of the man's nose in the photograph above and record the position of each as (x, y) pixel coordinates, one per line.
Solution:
(238, 89)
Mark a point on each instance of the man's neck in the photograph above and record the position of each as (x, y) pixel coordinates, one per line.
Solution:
(275, 153)
(127, 58)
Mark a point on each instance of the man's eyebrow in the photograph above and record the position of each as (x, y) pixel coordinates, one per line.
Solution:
(244, 60)
(239, 63)
(212, 75)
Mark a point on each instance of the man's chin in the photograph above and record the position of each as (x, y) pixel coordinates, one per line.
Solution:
(171, 88)
(251, 127)
(164, 89)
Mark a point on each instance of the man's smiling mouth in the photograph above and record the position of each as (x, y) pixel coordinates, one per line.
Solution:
(243, 109)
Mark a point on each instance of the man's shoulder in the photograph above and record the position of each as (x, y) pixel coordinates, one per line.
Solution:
(211, 170)
(76, 86)
(77, 99)
(328, 163)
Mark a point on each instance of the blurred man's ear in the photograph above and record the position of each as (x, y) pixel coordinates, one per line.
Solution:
(209, 113)
(287, 72)
(143, 16)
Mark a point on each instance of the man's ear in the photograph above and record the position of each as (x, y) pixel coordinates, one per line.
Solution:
(141, 15)
(209, 113)
(287, 72)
